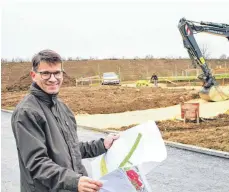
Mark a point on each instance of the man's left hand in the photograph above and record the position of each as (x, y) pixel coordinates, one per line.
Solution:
(108, 141)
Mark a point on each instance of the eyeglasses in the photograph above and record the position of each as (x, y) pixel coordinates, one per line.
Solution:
(47, 75)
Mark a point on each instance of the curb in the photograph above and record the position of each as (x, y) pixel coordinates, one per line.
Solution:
(196, 149)
(192, 148)
(97, 129)
(7, 111)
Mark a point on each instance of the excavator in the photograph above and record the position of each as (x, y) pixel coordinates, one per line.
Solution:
(210, 90)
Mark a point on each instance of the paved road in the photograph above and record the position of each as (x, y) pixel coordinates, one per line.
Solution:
(181, 171)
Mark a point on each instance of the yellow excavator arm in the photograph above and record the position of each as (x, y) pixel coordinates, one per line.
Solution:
(210, 90)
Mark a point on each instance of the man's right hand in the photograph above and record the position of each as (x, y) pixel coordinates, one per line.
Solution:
(87, 184)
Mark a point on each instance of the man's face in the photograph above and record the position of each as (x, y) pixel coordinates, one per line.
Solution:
(49, 85)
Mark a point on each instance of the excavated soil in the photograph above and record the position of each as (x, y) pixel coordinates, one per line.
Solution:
(222, 120)
(111, 99)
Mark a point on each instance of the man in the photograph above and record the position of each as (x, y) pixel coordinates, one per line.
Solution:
(44, 128)
(154, 79)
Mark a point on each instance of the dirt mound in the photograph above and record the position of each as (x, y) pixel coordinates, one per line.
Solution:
(68, 81)
(24, 82)
(21, 85)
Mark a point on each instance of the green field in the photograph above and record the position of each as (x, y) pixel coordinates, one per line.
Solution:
(190, 78)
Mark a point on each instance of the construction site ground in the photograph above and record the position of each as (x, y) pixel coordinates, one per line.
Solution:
(122, 107)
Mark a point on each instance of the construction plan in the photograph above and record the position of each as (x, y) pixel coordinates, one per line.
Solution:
(124, 166)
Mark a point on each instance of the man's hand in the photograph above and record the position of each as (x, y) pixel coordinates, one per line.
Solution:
(108, 141)
(87, 184)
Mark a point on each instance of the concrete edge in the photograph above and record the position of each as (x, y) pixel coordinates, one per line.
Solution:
(168, 143)
(192, 148)
(106, 131)
(202, 150)
(7, 111)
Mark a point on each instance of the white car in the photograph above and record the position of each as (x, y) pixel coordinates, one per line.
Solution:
(110, 78)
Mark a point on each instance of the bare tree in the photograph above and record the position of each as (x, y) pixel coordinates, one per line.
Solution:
(4, 60)
(136, 58)
(205, 51)
(78, 58)
(223, 56)
(91, 58)
(149, 56)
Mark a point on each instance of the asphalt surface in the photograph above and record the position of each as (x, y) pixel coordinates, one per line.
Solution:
(181, 171)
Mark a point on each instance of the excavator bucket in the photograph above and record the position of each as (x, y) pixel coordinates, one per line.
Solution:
(215, 93)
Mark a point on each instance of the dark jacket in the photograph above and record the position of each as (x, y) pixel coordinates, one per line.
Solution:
(49, 151)
(154, 77)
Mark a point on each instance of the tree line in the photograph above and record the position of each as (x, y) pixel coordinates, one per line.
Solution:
(148, 57)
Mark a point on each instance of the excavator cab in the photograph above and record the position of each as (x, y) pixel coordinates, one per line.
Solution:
(210, 91)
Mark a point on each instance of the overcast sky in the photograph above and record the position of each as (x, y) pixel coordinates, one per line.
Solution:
(105, 29)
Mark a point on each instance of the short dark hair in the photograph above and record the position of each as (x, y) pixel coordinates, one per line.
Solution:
(48, 56)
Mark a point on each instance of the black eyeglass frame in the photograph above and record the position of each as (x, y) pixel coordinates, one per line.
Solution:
(42, 73)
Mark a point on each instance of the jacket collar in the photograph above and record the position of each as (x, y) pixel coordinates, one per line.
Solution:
(49, 99)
